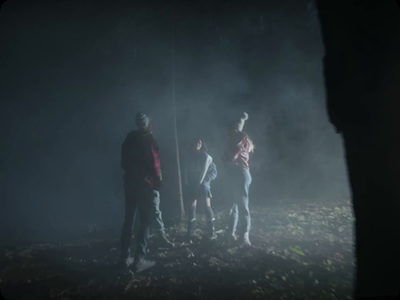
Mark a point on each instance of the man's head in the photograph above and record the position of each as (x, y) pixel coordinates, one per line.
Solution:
(142, 121)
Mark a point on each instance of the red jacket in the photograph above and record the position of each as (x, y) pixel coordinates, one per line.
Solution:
(140, 159)
(237, 151)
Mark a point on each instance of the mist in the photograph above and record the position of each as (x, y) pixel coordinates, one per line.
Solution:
(73, 76)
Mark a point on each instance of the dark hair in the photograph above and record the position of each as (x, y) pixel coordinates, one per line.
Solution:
(203, 148)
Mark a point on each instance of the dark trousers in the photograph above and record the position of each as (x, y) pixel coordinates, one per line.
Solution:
(138, 200)
(156, 221)
(240, 180)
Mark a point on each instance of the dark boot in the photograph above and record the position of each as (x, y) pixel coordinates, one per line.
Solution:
(192, 222)
(211, 230)
(191, 228)
(211, 220)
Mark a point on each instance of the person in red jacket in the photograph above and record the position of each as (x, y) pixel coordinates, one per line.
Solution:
(236, 159)
(142, 181)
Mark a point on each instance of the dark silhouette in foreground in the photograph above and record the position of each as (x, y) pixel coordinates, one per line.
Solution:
(1, 296)
(362, 75)
(1, 3)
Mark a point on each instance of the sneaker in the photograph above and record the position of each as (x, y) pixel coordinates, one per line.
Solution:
(246, 240)
(233, 236)
(142, 264)
(213, 236)
(127, 262)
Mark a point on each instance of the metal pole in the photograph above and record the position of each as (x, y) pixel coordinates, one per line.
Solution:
(175, 124)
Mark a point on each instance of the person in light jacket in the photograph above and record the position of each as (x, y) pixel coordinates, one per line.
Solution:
(200, 170)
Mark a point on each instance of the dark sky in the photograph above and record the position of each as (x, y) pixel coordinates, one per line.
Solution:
(74, 73)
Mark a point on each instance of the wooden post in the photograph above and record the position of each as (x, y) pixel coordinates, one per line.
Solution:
(175, 124)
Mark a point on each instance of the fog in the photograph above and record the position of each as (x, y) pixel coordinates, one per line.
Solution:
(73, 76)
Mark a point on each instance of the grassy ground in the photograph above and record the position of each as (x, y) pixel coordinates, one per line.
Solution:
(299, 252)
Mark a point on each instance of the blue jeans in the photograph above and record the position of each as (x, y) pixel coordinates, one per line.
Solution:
(240, 180)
